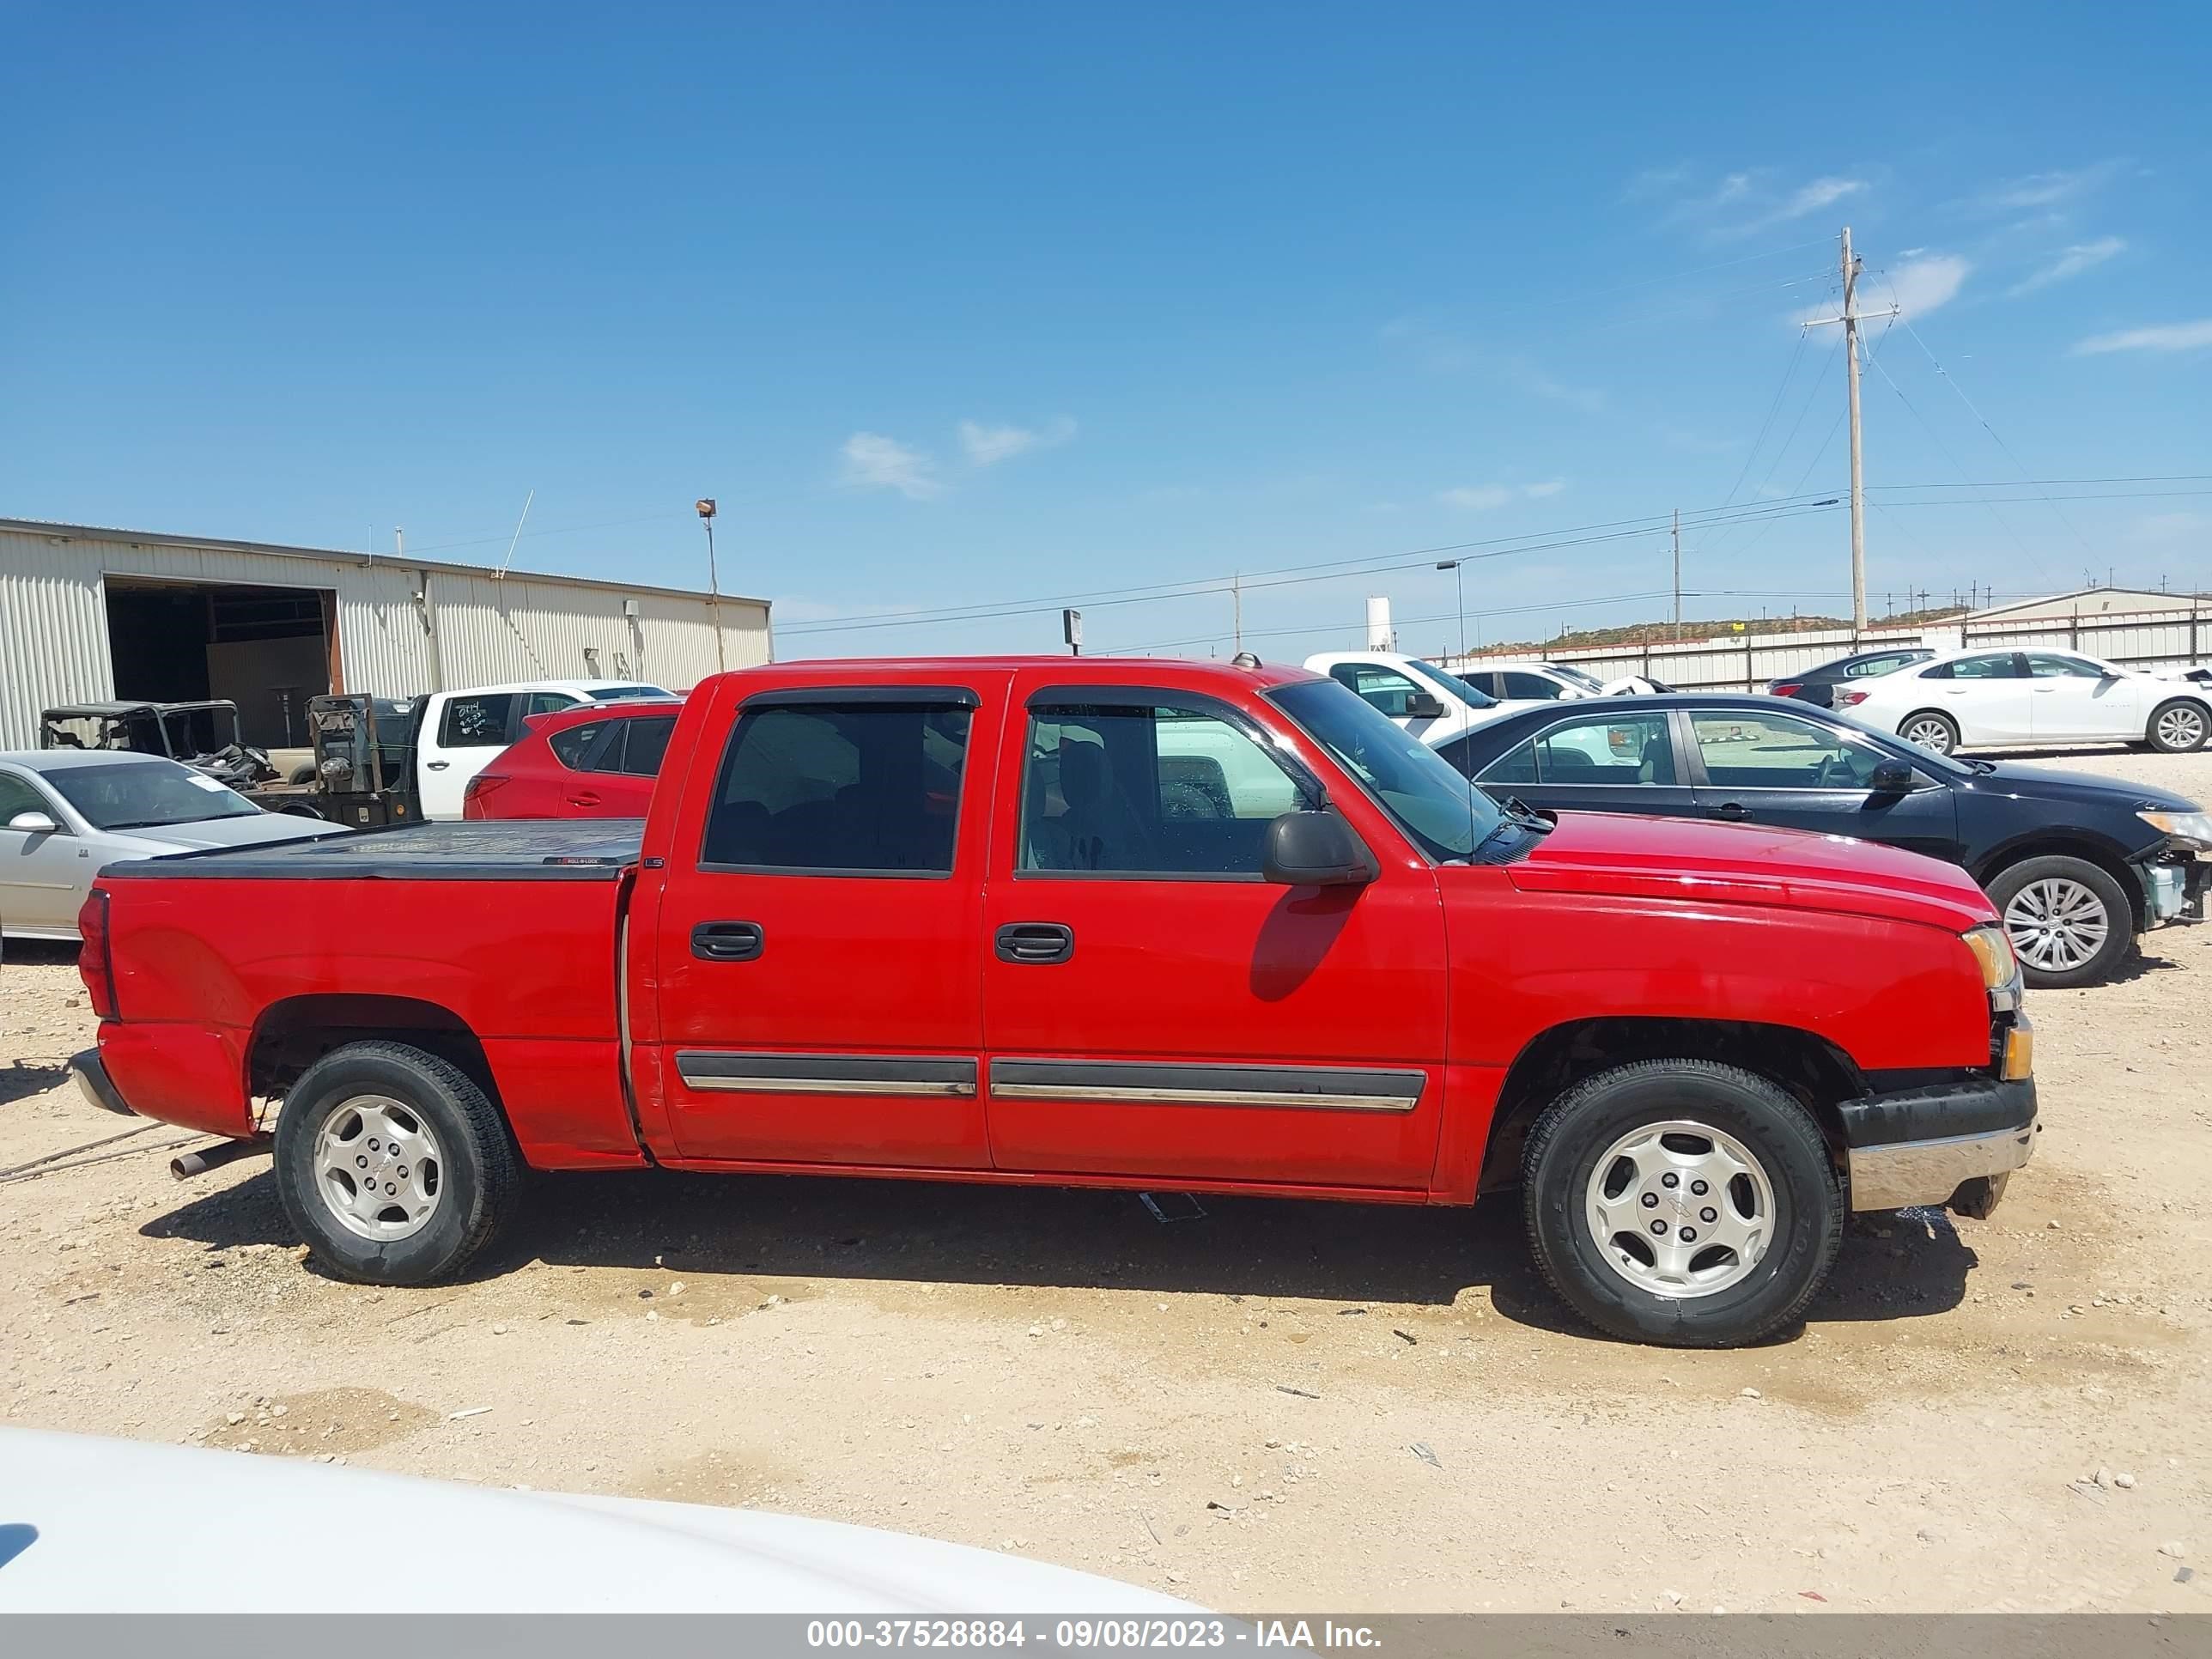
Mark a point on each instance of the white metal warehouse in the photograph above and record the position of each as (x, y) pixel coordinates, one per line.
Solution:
(92, 615)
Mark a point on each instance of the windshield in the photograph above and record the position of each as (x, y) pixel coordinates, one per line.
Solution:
(1451, 683)
(623, 692)
(1577, 677)
(1447, 817)
(146, 795)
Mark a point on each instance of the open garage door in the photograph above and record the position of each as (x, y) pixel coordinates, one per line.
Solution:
(266, 649)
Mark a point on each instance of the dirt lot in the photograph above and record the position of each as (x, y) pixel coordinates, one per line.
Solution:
(1061, 1374)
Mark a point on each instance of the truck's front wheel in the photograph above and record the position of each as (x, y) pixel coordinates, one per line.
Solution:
(393, 1165)
(1682, 1202)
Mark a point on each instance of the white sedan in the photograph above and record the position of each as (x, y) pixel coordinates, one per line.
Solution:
(66, 813)
(1965, 698)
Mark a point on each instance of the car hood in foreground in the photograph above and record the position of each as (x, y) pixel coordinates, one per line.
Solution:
(92, 1524)
(2039, 783)
(252, 830)
(1620, 856)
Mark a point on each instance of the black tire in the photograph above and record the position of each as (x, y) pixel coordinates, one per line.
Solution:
(2119, 942)
(2179, 725)
(1940, 732)
(303, 773)
(480, 1172)
(1807, 1222)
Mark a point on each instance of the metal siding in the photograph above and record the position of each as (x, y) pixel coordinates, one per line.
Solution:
(53, 633)
(53, 622)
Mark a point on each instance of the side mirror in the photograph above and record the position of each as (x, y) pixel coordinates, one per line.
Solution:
(1316, 849)
(1892, 777)
(1422, 706)
(33, 824)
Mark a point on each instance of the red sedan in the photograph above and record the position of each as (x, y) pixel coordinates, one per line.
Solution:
(596, 761)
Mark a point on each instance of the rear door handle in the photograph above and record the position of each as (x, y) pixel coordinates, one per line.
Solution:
(437, 766)
(1731, 809)
(585, 799)
(727, 941)
(1036, 943)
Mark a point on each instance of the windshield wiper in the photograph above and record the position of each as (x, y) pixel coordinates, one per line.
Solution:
(140, 824)
(1528, 816)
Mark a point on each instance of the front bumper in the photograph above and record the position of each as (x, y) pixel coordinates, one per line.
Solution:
(95, 1085)
(1952, 1144)
(2174, 889)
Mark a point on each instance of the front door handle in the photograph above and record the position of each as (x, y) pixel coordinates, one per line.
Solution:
(1036, 942)
(727, 941)
(1731, 809)
(437, 766)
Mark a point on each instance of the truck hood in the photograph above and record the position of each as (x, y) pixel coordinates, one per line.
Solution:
(1617, 856)
(115, 1526)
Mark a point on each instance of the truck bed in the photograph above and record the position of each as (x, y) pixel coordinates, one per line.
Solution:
(512, 850)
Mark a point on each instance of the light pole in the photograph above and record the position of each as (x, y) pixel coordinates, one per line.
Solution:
(1459, 587)
(706, 506)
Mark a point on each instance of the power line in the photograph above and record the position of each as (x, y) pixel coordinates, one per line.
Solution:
(1322, 570)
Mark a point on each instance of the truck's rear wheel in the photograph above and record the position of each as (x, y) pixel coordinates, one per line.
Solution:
(1682, 1202)
(393, 1165)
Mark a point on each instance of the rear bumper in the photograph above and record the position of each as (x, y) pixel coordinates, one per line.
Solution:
(95, 1085)
(1952, 1145)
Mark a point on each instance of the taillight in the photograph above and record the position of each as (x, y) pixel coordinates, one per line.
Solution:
(95, 963)
(1852, 699)
(1785, 690)
(474, 792)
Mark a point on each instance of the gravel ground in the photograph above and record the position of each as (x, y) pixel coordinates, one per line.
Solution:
(1273, 1406)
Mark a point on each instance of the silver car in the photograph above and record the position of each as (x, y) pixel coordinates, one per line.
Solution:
(64, 813)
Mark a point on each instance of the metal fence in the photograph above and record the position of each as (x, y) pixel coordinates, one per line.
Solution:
(1748, 662)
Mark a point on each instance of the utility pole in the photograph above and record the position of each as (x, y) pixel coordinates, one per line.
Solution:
(1851, 319)
(1678, 572)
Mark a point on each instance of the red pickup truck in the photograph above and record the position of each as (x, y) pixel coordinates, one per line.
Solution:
(1139, 924)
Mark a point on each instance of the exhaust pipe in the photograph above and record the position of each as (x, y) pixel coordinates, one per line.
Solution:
(188, 1165)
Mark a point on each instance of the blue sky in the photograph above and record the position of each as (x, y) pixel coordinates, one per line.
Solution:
(962, 306)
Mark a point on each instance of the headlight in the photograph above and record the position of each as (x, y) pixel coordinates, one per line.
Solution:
(2194, 827)
(1992, 948)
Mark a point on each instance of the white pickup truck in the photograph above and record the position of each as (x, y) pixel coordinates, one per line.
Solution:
(1425, 701)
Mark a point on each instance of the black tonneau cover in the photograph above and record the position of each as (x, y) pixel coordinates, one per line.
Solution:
(532, 849)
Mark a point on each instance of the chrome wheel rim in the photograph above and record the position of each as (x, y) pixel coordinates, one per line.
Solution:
(2056, 924)
(2181, 728)
(1930, 734)
(1680, 1209)
(378, 1167)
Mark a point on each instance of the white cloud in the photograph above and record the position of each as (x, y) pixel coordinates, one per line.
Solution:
(1913, 288)
(1588, 400)
(2173, 336)
(1821, 192)
(875, 462)
(987, 446)
(2083, 256)
(1482, 497)
(2043, 189)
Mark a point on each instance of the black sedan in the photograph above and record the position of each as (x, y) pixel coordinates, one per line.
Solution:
(1818, 685)
(2078, 866)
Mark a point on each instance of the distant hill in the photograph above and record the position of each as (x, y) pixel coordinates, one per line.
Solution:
(1661, 633)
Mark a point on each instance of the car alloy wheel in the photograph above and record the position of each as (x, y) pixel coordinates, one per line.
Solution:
(2057, 925)
(2179, 728)
(377, 1167)
(1930, 732)
(1680, 1209)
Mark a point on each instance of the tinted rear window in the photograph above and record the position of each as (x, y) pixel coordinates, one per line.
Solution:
(646, 745)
